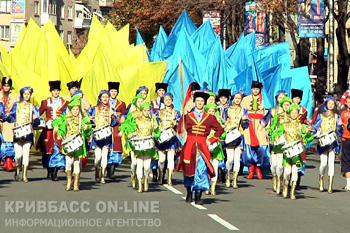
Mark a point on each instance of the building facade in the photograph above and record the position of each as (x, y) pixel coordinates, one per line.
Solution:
(70, 17)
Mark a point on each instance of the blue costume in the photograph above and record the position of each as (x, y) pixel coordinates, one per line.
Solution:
(102, 117)
(24, 113)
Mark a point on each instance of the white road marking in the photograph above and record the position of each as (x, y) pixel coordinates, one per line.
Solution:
(223, 222)
(174, 190)
(200, 207)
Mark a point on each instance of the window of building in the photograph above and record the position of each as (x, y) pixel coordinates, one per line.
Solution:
(4, 32)
(79, 14)
(5, 6)
(62, 11)
(69, 37)
(70, 12)
(36, 8)
(62, 34)
(45, 6)
(52, 7)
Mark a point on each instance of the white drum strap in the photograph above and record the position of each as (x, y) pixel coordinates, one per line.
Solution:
(222, 112)
(79, 123)
(30, 113)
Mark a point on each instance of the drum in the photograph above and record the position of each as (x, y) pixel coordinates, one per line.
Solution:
(293, 149)
(327, 139)
(213, 146)
(166, 135)
(233, 136)
(72, 143)
(23, 131)
(142, 144)
(102, 132)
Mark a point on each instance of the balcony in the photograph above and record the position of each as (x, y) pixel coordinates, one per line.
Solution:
(82, 1)
(82, 17)
(105, 3)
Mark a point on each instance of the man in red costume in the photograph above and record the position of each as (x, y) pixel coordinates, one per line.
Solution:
(53, 107)
(115, 157)
(195, 156)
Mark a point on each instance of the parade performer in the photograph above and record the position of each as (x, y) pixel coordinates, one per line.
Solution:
(222, 166)
(73, 87)
(216, 151)
(276, 157)
(345, 95)
(195, 157)
(143, 127)
(237, 118)
(327, 123)
(266, 122)
(224, 96)
(345, 158)
(295, 133)
(279, 96)
(72, 124)
(142, 90)
(3, 118)
(104, 116)
(53, 107)
(115, 157)
(212, 98)
(161, 88)
(133, 113)
(7, 147)
(188, 103)
(168, 119)
(255, 154)
(25, 115)
(297, 96)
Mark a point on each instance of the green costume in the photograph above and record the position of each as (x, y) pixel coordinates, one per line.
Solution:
(290, 131)
(68, 125)
(218, 152)
(141, 126)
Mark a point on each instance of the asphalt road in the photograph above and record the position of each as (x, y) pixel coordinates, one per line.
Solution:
(44, 206)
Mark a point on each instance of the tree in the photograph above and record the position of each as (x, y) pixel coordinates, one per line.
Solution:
(342, 16)
(284, 14)
(148, 15)
(79, 42)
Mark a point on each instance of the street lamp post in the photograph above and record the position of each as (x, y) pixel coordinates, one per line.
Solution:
(331, 46)
(224, 28)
